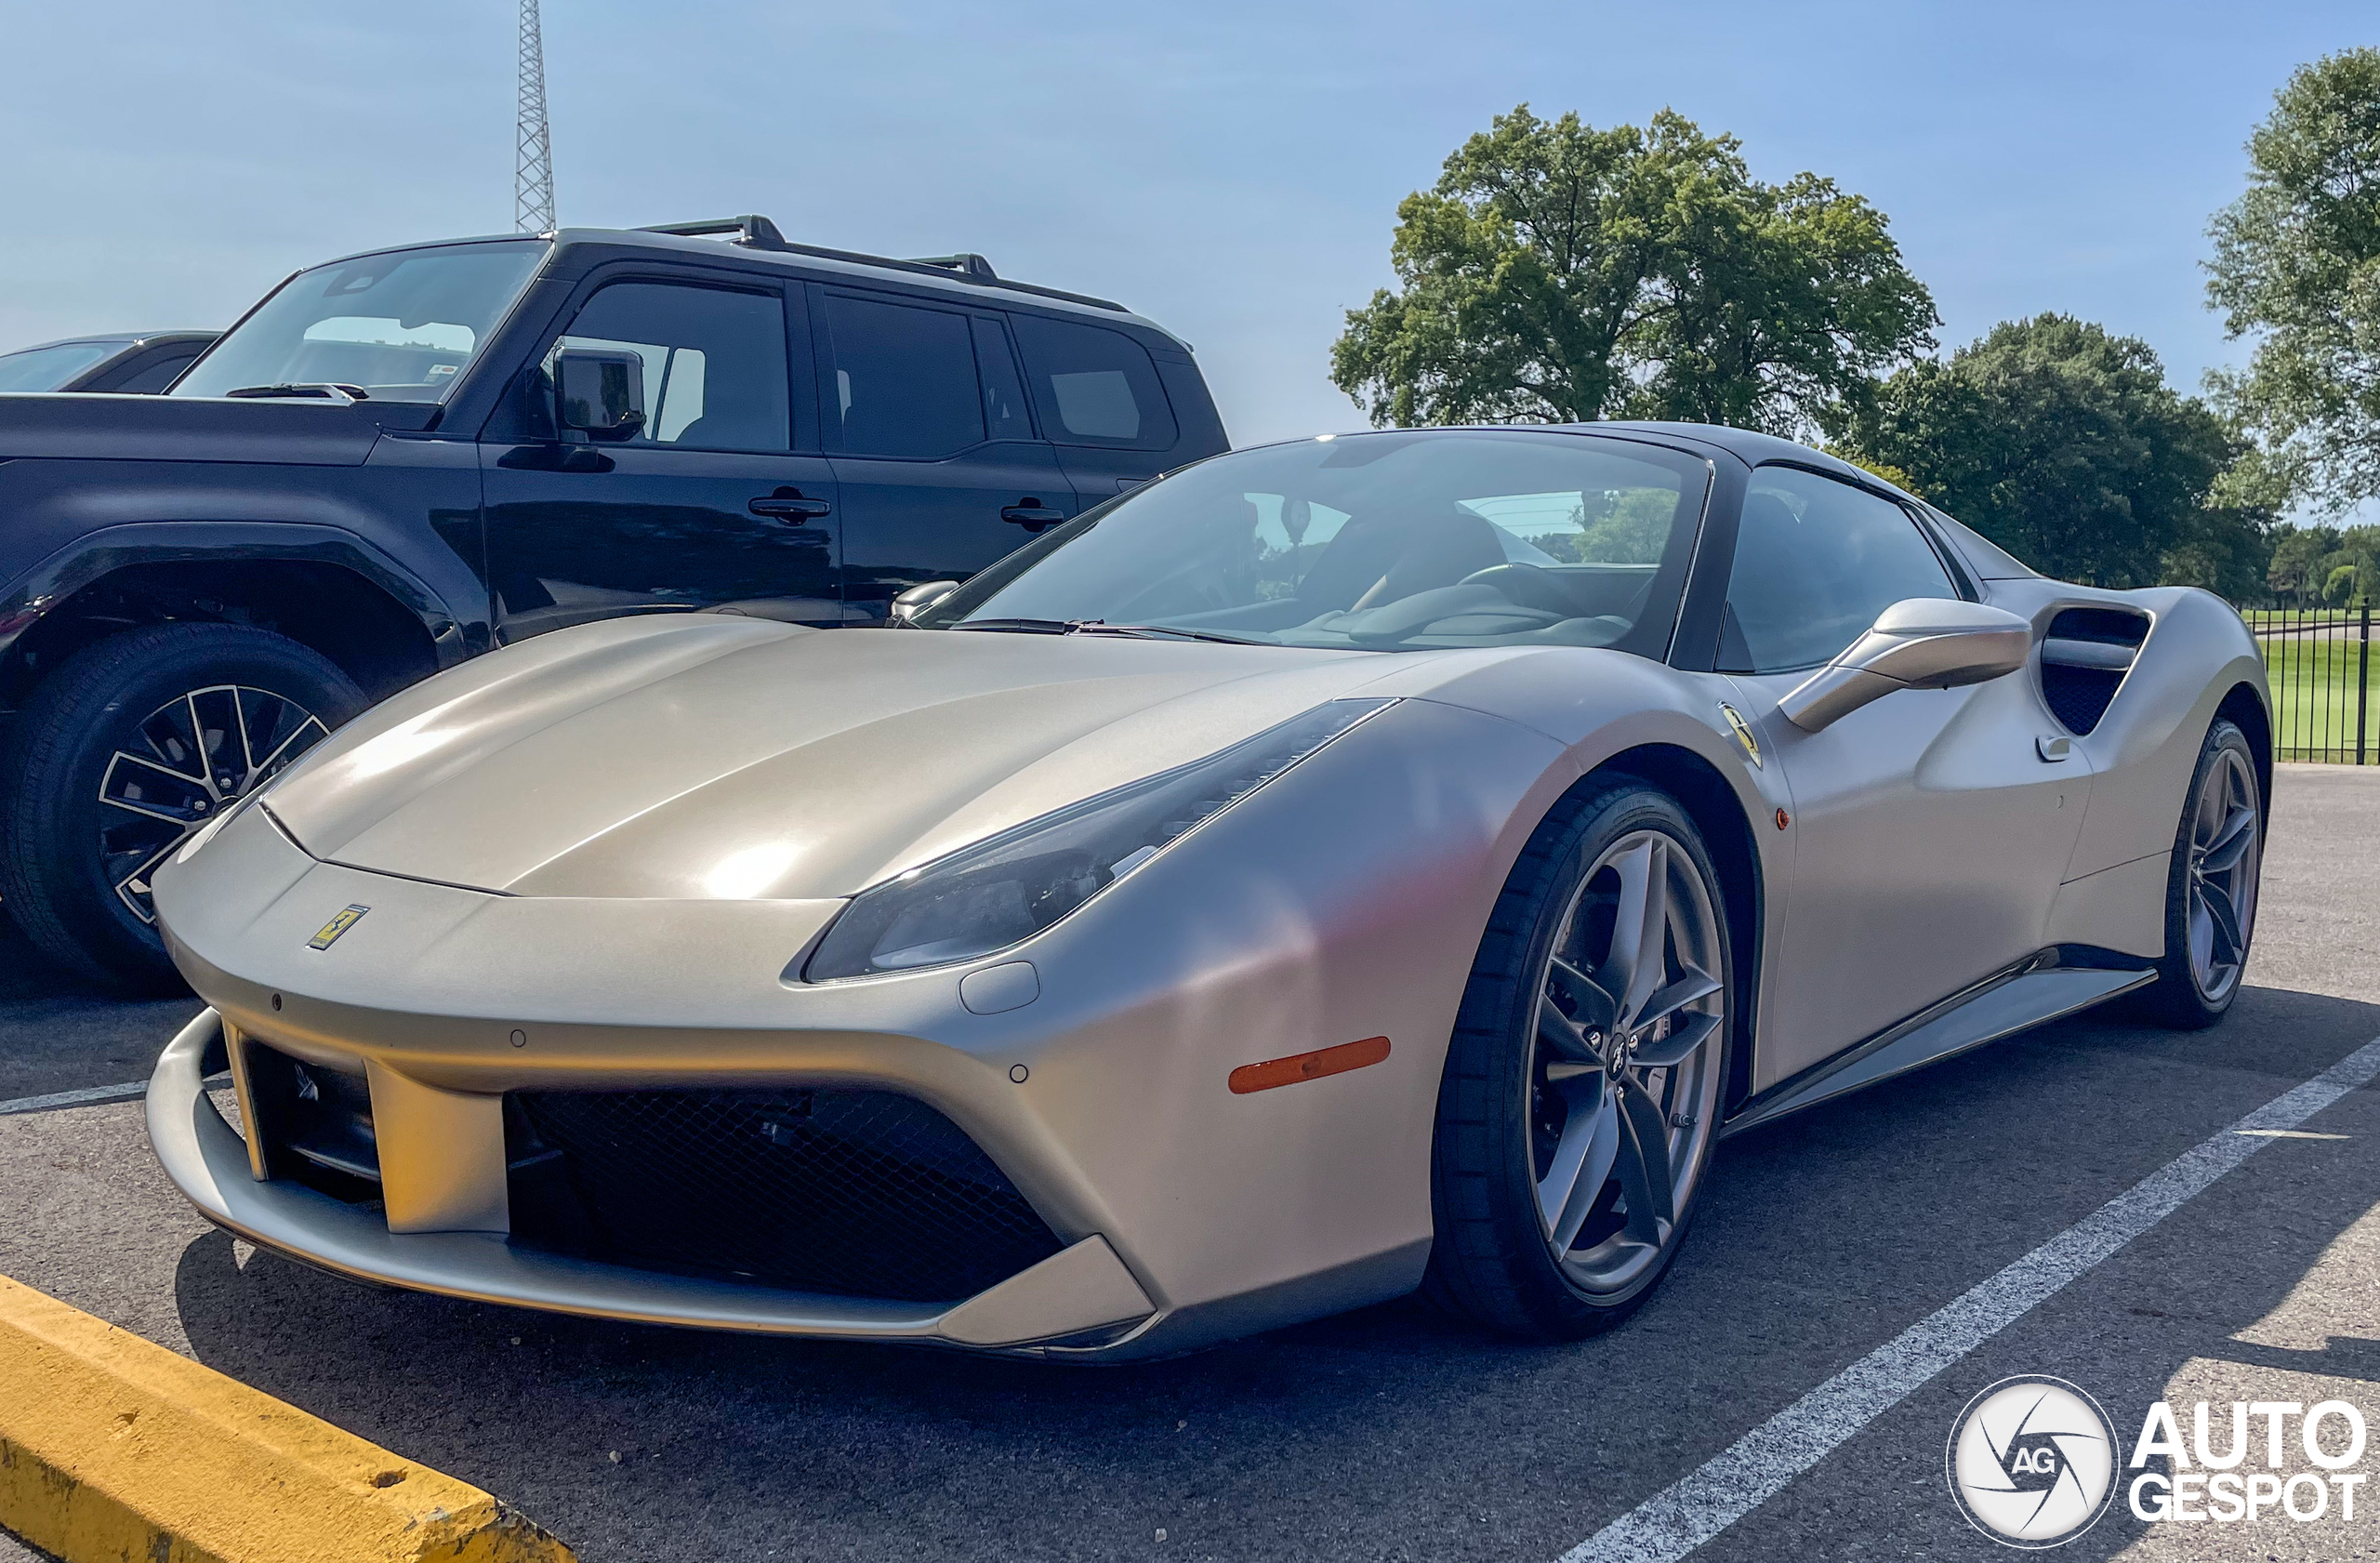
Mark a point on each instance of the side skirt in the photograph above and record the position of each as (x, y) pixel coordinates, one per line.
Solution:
(2030, 993)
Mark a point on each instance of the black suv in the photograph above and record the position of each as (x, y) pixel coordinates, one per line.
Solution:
(402, 459)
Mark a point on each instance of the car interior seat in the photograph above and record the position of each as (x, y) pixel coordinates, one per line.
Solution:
(1381, 557)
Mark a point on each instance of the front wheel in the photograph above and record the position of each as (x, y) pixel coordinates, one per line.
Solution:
(1584, 1083)
(133, 744)
(2211, 885)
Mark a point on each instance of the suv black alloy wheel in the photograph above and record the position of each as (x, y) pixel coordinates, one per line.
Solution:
(132, 744)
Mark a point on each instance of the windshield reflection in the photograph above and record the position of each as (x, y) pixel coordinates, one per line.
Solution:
(397, 327)
(1404, 540)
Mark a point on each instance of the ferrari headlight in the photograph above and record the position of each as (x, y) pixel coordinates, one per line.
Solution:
(1009, 887)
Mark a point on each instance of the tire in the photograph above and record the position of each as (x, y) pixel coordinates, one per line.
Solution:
(2211, 886)
(1549, 1225)
(93, 791)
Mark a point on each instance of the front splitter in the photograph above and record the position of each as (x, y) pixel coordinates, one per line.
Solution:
(1085, 1287)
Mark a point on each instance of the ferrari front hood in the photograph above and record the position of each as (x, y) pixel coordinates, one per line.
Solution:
(710, 757)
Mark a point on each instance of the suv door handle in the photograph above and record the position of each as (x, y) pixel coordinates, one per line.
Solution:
(791, 507)
(1032, 512)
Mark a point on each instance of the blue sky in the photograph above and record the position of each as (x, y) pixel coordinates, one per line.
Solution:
(1231, 169)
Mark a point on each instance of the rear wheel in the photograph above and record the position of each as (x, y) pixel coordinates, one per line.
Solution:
(1582, 1095)
(2211, 886)
(128, 748)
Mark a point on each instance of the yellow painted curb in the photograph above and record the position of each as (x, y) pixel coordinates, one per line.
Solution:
(114, 1449)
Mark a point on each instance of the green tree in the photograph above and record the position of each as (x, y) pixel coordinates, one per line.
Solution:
(2298, 267)
(1559, 274)
(2297, 554)
(2065, 445)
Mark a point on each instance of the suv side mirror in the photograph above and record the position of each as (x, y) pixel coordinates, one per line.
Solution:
(600, 394)
(1925, 643)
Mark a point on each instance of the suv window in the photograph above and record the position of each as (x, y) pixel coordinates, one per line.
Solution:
(714, 362)
(1816, 561)
(1095, 387)
(905, 381)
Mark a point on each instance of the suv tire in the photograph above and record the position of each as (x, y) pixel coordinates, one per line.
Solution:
(92, 789)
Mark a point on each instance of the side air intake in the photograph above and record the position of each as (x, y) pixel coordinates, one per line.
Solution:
(2085, 658)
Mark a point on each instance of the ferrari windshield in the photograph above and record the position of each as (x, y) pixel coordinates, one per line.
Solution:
(1404, 540)
(398, 327)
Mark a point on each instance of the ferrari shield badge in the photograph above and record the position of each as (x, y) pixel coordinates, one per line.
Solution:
(1742, 731)
(336, 926)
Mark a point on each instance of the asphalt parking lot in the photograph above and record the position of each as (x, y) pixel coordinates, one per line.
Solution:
(1391, 1433)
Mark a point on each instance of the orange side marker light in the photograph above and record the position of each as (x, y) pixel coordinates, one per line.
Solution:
(1308, 1065)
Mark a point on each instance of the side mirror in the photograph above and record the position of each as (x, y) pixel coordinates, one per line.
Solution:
(1925, 643)
(918, 598)
(600, 394)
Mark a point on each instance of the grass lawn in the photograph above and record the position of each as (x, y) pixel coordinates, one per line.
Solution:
(2313, 675)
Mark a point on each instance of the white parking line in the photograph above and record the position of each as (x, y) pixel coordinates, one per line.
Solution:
(88, 1097)
(1697, 1507)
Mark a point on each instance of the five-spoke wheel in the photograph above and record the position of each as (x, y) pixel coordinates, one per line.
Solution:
(1622, 1083)
(2211, 885)
(1584, 1083)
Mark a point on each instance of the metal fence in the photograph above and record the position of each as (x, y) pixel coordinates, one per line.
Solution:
(2320, 662)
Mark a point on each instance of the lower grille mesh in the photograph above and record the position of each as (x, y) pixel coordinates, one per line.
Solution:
(863, 1193)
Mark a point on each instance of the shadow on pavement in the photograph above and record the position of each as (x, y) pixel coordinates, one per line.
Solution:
(1388, 1433)
(60, 1033)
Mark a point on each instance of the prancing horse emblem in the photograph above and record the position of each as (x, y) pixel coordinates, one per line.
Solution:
(1743, 733)
(336, 926)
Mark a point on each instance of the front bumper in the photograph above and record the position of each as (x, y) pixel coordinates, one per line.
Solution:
(1082, 1289)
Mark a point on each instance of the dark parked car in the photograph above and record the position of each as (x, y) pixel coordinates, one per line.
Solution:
(398, 461)
(126, 362)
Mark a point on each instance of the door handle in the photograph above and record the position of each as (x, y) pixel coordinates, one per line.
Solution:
(1032, 512)
(791, 507)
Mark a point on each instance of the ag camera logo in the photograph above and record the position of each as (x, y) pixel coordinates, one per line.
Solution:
(2032, 1462)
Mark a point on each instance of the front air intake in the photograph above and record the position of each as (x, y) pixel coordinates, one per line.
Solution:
(862, 1193)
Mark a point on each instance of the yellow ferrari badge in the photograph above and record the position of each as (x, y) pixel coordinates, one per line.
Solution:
(336, 926)
(1743, 732)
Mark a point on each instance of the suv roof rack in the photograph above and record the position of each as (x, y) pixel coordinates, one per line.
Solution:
(754, 231)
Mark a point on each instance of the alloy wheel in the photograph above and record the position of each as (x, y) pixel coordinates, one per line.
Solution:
(187, 761)
(1623, 1077)
(2224, 851)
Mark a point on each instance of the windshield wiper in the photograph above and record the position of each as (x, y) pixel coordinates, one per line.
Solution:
(1101, 627)
(1156, 632)
(327, 390)
(1016, 625)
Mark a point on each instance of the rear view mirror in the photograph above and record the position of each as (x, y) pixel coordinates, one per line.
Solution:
(600, 394)
(1925, 643)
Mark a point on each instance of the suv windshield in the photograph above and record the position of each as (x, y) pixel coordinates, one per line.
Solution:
(1394, 541)
(398, 327)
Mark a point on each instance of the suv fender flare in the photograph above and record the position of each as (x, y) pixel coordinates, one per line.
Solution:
(24, 601)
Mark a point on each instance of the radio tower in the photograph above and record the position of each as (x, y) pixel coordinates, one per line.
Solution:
(532, 167)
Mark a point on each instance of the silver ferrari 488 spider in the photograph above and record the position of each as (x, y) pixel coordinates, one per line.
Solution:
(1339, 868)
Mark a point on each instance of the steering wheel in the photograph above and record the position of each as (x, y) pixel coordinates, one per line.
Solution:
(1528, 586)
